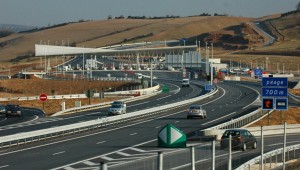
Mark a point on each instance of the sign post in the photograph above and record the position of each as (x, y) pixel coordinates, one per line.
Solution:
(43, 98)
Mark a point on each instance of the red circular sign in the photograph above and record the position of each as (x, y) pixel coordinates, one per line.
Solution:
(43, 97)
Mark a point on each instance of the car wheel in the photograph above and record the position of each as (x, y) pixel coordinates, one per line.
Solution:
(244, 147)
(188, 117)
(254, 146)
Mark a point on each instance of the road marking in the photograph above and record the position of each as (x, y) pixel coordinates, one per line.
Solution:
(137, 104)
(163, 97)
(138, 150)
(157, 127)
(4, 166)
(218, 118)
(59, 153)
(282, 143)
(3, 120)
(89, 163)
(107, 158)
(133, 134)
(100, 142)
(123, 154)
(177, 121)
(212, 110)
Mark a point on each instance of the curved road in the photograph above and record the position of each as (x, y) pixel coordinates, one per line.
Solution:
(114, 142)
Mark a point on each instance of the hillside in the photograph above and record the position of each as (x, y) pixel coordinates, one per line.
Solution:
(108, 32)
(286, 29)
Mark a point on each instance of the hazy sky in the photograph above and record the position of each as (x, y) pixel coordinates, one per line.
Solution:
(44, 12)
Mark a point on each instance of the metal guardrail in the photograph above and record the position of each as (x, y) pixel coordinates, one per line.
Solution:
(23, 138)
(269, 156)
(145, 93)
(294, 97)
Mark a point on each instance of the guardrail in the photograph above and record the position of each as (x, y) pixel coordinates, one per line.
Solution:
(144, 94)
(23, 138)
(235, 123)
(269, 156)
(294, 97)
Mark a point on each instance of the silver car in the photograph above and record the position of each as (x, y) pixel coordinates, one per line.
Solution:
(196, 111)
(117, 109)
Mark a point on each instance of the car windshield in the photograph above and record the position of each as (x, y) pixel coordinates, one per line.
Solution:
(232, 132)
(117, 102)
(116, 106)
(195, 107)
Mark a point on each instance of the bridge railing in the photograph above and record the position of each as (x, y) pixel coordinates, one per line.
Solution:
(23, 138)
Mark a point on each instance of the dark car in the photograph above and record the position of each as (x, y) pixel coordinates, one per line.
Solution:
(12, 110)
(241, 139)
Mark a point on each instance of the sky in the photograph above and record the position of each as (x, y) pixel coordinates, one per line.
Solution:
(49, 12)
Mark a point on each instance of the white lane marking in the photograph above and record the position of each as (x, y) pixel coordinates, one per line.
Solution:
(137, 104)
(133, 134)
(252, 89)
(282, 143)
(138, 150)
(3, 120)
(59, 153)
(89, 163)
(123, 154)
(212, 110)
(218, 118)
(92, 134)
(100, 142)
(202, 160)
(157, 127)
(177, 121)
(163, 97)
(104, 157)
(4, 166)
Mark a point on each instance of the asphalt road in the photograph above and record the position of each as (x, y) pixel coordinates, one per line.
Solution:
(84, 150)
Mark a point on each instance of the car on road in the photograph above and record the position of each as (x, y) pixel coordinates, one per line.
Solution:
(196, 111)
(12, 110)
(185, 83)
(117, 108)
(240, 139)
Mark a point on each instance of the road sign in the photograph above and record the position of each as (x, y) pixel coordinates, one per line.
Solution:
(215, 81)
(171, 137)
(281, 104)
(274, 92)
(207, 87)
(258, 72)
(268, 103)
(275, 82)
(43, 97)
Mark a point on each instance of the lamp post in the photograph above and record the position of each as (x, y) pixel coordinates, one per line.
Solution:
(83, 62)
(211, 65)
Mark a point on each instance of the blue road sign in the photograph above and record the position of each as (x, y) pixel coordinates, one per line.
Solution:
(207, 87)
(281, 103)
(268, 103)
(274, 92)
(275, 82)
(258, 72)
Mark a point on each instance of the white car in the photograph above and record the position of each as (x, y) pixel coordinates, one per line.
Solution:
(196, 111)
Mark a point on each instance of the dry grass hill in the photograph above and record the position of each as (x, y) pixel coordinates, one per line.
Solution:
(108, 32)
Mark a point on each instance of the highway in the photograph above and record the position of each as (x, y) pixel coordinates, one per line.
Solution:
(30, 121)
(84, 150)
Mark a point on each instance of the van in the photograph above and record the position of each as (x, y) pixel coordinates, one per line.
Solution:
(138, 75)
(185, 83)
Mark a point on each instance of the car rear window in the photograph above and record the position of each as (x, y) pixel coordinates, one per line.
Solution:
(195, 107)
(232, 132)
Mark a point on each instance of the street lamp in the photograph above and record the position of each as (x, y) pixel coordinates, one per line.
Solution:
(211, 65)
(83, 62)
